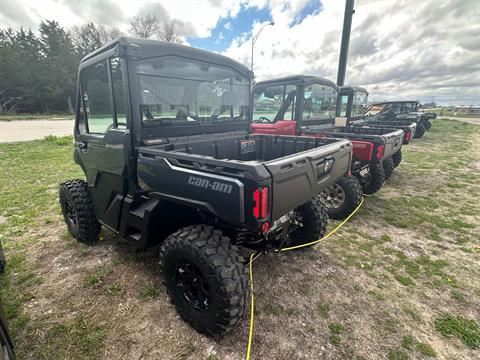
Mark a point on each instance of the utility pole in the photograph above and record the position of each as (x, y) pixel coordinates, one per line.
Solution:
(347, 27)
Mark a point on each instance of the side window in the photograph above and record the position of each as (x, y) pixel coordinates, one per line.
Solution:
(290, 94)
(320, 102)
(343, 106)
(118, 92)
(267, 102)
(96, 98)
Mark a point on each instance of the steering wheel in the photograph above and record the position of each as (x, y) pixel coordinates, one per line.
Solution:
(118, 123)
(264, 120)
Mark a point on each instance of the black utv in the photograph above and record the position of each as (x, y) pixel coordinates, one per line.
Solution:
(162, 135)
(401, 110)
(352, 106)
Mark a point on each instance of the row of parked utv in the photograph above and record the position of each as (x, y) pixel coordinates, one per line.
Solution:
(180, 151)
(315, 107)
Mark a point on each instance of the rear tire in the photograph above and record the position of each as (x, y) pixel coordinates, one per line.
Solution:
(78, 211)
(397, 158)
(205, 278)
(313, 219)
(427, 124)
(351, 190)
(377, 178)
(388, 167)
(420, 131)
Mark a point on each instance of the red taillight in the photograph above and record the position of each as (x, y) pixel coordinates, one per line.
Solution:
(380, 149)
(260, 197)
(407, 135)
(264, 202)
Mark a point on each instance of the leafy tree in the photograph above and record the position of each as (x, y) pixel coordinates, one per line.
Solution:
(89, 37)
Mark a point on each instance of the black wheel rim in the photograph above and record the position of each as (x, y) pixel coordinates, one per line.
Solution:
(70, 212)
(193, 285)
(333, 196)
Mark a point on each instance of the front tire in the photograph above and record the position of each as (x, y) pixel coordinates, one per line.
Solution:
(397, 158)
(376, 179)
(205, 278)
(388, 167)
(420, 131)
(342, 197)
(78, 211)
(311, 222)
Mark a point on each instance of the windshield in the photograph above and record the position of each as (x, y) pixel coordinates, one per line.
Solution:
(273, 103)
(176, 91)
(320, 102)
(359, 106)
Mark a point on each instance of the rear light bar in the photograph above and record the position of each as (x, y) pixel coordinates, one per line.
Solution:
(380, 149)
(408, 135)
(260, 197)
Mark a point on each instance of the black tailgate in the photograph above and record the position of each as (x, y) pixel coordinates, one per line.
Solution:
(296, 178)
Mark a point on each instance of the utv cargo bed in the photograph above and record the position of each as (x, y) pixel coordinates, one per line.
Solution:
(294, 167)
(407, 126)
(393, 138)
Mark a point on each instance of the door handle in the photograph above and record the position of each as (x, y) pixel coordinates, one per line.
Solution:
(82, 145)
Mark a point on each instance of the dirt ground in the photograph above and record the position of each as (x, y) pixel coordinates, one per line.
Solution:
(389, 285)
(25, 130)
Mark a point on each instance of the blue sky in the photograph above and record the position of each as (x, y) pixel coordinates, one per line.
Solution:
(230, 28)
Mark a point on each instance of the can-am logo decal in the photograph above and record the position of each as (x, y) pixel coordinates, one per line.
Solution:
(212, 185)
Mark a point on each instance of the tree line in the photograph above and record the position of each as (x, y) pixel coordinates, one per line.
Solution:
(38, 70)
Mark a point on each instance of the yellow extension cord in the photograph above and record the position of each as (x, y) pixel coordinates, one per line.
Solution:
(252, 304)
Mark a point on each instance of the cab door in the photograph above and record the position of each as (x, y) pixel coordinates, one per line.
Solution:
(102, 137)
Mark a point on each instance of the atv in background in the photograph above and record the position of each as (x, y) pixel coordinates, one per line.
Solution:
(402, 110)
(352, 106)
(306, 106)
(162, 135)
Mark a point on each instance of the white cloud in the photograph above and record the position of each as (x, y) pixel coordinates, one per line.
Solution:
(409, 49)
(397, 49)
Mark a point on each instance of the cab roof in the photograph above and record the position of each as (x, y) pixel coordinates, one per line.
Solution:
(299, 79)
(352, 89)
(396, 102)
(147, 48)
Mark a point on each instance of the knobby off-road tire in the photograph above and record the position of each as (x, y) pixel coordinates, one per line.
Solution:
(78, 212)
(214, 298)
(397, 158)
(313, 219)
(377, 178)
(427, 124)
(352, 194)
(420, 131)
(388, 167)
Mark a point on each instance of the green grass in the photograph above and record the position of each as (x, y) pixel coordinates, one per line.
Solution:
(16, 117)
(151, 291)
(78, 339)
(467, 330)
(438, 219)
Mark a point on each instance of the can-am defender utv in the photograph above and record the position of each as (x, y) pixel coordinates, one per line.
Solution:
(352, 105)
(162, 135)
(306, 106)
